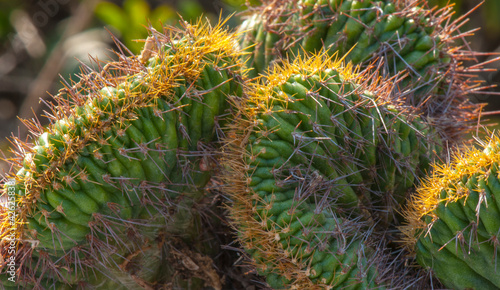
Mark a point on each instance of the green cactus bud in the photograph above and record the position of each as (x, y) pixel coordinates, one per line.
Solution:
(300, 167)
(454, 220)
(123, 164)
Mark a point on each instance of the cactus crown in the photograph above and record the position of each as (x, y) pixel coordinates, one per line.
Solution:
(453, 220)
(199, 41)
(447, 179)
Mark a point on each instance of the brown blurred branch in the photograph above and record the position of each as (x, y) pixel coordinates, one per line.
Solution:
(80, 20)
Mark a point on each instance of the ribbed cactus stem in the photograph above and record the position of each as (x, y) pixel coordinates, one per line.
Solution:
(454, 220)
(407, 39)
(123, 163)
(317, 153)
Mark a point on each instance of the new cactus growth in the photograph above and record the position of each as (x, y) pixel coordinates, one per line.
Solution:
(125, 157)
(314, 149)
(404, 37)
(454, 220)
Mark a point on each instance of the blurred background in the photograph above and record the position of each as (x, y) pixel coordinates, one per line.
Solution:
(42, 42)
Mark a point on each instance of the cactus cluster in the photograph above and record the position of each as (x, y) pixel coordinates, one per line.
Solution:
(317, 158)
(360, 30)
(403, 38)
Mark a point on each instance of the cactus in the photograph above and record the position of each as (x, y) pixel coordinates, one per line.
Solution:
(120, 169)
(318, 158)
(454, 220)
(400, 37)
(313, 152)
(355, 29)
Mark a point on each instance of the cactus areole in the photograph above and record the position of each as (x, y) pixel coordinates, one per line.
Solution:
(128, 147)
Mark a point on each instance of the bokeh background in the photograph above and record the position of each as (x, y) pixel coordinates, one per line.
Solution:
(43, 41)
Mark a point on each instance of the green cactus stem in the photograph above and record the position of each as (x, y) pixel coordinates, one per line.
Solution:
(315, 149)
(454, 220)
(403, 38)
(124, 162)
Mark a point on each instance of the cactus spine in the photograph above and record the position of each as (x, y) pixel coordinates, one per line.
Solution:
(123, 162)
(318, 159)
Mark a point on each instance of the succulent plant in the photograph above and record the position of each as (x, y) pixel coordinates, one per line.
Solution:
(399, 37)
(318, 158)
(101, 192)
(454, 220)
(314, 151)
